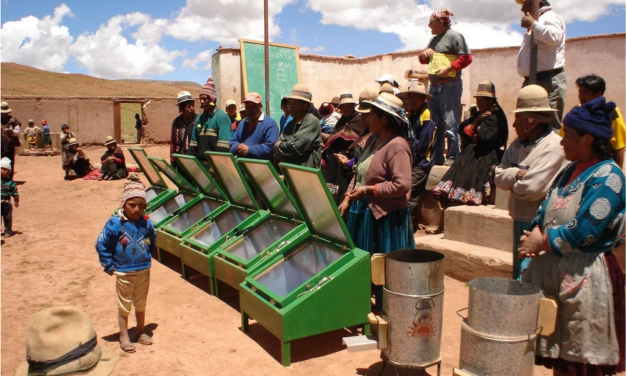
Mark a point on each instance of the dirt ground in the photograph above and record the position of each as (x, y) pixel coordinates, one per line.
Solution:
(52, 262)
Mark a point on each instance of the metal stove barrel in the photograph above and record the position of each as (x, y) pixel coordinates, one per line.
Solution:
(413, 299)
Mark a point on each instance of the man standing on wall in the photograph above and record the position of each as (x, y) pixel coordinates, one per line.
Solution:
(212, 129)
(550, 33)
(256, 135)
(446, 84)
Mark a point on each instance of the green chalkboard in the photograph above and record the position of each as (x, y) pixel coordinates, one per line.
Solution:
(284, 72)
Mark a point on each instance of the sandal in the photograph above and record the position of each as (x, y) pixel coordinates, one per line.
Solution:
(127, 347)
(145, 340)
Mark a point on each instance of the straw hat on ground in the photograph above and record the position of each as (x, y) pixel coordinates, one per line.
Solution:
(533, 98)
(390, 104)
(301, 92)
(4, 108)
(486, 89)
(109, 140)
(417, 88)
(184, 96)
(365, 96)
(347, 98)
(62, 341)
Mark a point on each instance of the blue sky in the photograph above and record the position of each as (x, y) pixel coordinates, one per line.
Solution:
(174, 40)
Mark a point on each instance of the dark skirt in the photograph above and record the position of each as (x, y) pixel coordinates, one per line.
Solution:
(113, 170)
(467, 181)
(337, 177)
(618, 295)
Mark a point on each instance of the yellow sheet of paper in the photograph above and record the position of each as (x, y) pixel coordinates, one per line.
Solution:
(439, 61)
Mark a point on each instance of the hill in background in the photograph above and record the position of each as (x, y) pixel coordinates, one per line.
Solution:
(23, 80)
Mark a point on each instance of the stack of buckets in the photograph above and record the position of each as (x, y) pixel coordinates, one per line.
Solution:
(499, 335)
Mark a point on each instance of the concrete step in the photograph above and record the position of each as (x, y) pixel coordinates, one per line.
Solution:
(466, 262)
(502, 199)
(482, 225)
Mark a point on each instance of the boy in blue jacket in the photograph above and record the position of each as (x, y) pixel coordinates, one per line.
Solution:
(125, 247)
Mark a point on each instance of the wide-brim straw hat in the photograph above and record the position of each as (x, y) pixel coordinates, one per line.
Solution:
(533, 98)
(486, 89)
(4, 108)
(365, 96)
(386, 87)
(390, 104)
(57, 331)
(347, 98)
(300, 92)
(335, 101)
(109, 140)
(72, 141)
(184, 96)
(416, 88)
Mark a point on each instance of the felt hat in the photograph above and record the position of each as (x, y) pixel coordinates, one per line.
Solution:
(335, 101)
(301, 92)
(184, 96)
(387, 78)
(252, 97)
(65, 126)
(109, 140)
(5, 164)
(417, 88)
(364, 97)
(230, 102)
(326, 108)
(133, 188)
(386, 88)
(209, 89)
(4, 108)
(592, 118)
(347, 98)
(390, 104)
(31, 121)
(533, 98)
(72, 141)
(62, 341)
(486, 89)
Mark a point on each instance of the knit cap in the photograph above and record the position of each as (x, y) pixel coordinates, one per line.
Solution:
(209, 89)
(5, 163)
(133, 189)
(592, 118)
(326, 109)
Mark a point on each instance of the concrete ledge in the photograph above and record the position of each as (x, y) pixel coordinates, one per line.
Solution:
(466, 262)
(502, 199)
(479, 225)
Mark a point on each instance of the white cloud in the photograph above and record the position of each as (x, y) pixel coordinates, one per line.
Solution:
(108, 54)
(308, 49)
(40, 43)
(225, 21)
(203, 58)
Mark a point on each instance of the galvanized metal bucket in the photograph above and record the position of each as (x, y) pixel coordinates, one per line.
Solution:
(413, 300)
(483, 354)
(503, 307)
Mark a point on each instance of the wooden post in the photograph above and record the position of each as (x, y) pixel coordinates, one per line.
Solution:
(267, 54)
(533, 66)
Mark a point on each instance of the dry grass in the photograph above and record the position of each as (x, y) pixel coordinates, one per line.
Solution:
(23, 80)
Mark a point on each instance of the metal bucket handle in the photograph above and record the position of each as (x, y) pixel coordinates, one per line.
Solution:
(432, 303)
(463, 309)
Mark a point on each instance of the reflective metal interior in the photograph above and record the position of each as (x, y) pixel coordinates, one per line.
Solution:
(176, 178)
(231, 179)
(197, 172)
(168, 207)
(317, 208)
(151, 174)
(259, 239)
(300, 266)
(153, 192)
(194, 214)
(269, 187)
(226, 222)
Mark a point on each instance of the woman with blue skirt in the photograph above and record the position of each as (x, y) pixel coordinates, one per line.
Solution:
(378, 195)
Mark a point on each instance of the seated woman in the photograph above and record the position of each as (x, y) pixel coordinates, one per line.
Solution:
(467, 181)
(378, 195)
(76, 163)
(571, 242)
(113, 162)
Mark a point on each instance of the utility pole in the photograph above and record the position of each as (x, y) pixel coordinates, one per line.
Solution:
(266, 47)
(533, 67)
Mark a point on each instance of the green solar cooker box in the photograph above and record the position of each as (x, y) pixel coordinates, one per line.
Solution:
(260, 242)
(318, 284)
(199, 245)
(158, 192)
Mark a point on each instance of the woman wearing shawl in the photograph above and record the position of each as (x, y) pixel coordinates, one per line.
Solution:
(75, 163)
(571, 242)
(113, 162)
(467, 181)
(377, 198)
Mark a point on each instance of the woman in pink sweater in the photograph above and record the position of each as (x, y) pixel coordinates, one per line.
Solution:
(378, 196)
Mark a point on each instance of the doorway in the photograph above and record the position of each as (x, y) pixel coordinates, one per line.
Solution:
(124, 119)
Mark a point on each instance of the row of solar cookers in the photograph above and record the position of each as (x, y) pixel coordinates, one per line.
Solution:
(293, 262)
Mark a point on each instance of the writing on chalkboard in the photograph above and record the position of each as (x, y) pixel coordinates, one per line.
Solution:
(284, 72)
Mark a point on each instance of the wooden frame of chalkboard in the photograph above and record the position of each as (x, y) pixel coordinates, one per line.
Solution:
(275, 112)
